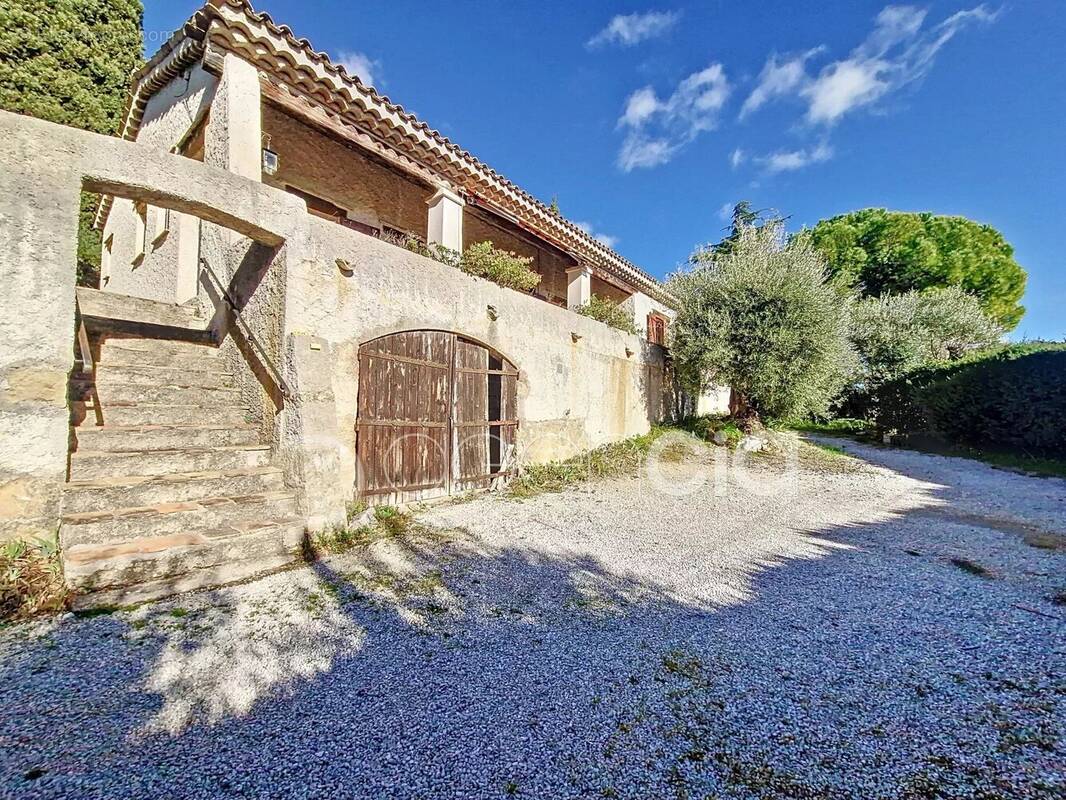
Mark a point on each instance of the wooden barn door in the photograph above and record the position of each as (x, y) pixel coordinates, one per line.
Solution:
(485, 417)
(437, 414)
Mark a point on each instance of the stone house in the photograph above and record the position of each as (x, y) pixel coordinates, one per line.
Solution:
(260, 352)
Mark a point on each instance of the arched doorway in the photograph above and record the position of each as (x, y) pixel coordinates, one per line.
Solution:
(437, 415)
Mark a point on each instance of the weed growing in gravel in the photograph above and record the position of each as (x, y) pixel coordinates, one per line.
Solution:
(354, 509)
(388, 522)
(678, 662)
(721, 430)
(1045, 540)
(31, 579)
(966, 565)
(608, 461)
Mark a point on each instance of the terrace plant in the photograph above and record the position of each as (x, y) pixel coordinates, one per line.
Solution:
(482, 260)
(608, 312)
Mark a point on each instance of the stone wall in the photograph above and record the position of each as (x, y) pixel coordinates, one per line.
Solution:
(45, 166)
(582, 383)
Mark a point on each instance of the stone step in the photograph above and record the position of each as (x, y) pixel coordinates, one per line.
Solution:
(211, 377)
(203, 357)
(117, 525)
(164, 414)
(90, 465)
(113, 394)
(137, 438)
(148, 568)
(101, 309)
(126, 492)
(173, 347)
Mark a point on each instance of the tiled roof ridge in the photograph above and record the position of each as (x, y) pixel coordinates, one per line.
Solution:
(197, 28)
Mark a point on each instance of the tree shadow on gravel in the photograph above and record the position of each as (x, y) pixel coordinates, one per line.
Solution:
(435, 665)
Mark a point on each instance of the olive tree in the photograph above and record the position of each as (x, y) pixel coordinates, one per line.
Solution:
(761, 317)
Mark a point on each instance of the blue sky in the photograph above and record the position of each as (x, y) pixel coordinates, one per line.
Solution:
(648, 119)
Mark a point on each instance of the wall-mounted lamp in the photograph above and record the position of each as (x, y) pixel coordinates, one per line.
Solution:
(270, 158)
(344, 266)
(270, 162)
(577, 337)
(493, 313)
(629, 353)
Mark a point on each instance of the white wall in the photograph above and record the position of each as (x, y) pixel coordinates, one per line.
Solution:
(166, 270)
(640, 305)
(573, 395)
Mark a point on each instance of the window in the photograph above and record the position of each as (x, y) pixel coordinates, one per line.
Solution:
(656, 329)
(320, 207)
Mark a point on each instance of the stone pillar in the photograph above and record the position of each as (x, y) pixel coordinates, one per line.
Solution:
(446, 220)
(578, 286)
(38, 262)
(309, 449)
(188, 230)
(234, 136)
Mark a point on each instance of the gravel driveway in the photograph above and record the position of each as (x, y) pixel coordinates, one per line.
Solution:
(877, 627)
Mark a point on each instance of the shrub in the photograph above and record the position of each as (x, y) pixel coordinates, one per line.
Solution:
(761, 318)
(1010, 399)
(896, 334)
(482, 260)
(1016, 404)
(608, 312)
(70, 61)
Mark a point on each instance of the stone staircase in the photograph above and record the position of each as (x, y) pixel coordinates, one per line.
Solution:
(170, 488)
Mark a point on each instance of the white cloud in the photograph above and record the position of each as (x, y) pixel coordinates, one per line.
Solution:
(898, 51)
(737, 157)
(360, 65)
(602, 238)
(791, 160)
(843, 86)
(778, 78)
(725, 213)
(630, 29)
(639, 107)
(657, 128)
(640, 151)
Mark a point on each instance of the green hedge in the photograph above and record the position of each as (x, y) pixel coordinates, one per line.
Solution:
(1010, 399)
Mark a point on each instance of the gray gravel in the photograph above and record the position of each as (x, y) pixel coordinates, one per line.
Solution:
(772, 634)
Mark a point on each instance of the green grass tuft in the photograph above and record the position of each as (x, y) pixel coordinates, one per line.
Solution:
(608, 461)
(31, 579)
(388, 522)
